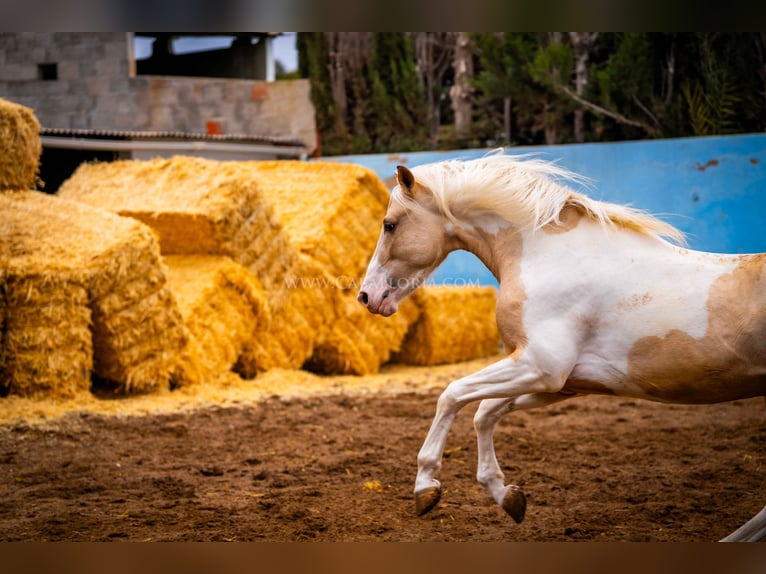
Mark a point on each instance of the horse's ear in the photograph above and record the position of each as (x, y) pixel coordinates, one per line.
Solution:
(405, 178)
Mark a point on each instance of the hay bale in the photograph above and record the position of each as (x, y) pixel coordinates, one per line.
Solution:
(330, 214)
(20, 146)
(358, 342)
(47, 348)
(301, 309)
(138, 339)
(222, 304)
(285, 221)
(3, 329)
(329, 211)
(196, 206)
(455, 324)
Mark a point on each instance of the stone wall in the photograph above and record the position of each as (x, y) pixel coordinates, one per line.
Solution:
(95, 87)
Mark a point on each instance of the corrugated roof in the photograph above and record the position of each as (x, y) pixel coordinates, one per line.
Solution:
(170, 136)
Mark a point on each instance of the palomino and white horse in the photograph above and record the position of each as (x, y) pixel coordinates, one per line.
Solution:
(593, 298)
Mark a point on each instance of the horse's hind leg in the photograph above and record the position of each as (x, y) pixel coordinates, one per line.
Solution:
(488, 472)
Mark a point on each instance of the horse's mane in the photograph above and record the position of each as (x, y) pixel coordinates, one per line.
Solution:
(525, 191)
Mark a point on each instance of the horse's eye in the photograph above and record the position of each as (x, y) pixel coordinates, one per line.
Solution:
(389, 226)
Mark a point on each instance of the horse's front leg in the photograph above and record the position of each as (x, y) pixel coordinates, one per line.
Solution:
(507, 378)
(488, 472)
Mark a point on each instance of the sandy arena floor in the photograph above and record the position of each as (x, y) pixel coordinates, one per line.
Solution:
(292, 456)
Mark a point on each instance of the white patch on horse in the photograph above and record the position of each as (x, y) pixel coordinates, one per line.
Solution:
(486, 221)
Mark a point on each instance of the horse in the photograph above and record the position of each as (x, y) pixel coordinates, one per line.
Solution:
(593, 298)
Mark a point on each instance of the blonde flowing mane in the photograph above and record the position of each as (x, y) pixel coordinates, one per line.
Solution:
(524, 191)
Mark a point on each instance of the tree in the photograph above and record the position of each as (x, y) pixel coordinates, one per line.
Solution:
(376, 92)
(551, 69)
(503, 59)
(461, 92)
(313, 57)
(582, 44)
(399, 107)
(434, 52)
(625, 85)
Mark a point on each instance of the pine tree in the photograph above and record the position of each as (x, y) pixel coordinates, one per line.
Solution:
(503, 78)
(399, 106)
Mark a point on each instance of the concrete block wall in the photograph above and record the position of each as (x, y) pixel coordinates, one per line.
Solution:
(95, 90)
(85, 65)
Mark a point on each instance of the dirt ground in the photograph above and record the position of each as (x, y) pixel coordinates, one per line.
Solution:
(340, 466)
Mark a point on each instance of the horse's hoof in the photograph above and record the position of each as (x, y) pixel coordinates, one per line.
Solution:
(426, 499)
(515, 503)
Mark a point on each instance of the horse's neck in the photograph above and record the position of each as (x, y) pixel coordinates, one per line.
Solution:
(500, 250)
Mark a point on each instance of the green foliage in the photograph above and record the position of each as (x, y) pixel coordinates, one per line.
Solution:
(552, 65)
(640, 85)
(712, 100)
(313, 56)
(386, 105)
(399, 106)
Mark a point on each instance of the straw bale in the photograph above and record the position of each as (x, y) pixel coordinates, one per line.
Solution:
(3, 316)
(222, 304)
(20, 146)
(196, 206)
(329, 211)
(138, 338)
(301, 309)
(284, 221)
(47, 345)
(358, 342)
(455, 324)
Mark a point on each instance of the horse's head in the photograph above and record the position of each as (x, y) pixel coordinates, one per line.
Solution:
(412, 243)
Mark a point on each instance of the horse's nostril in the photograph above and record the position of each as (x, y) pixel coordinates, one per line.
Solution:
(362, 298)
(385, 293)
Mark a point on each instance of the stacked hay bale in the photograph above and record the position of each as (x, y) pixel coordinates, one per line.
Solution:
(329, 211)
(195, 206)
(206, 207)
(455, 324)
(357, 342)
(222, 305)
(47, 346)
(304, 230)
(84, 292)
(20, 146)
(81, 290)
(201, 267)
(331, 215)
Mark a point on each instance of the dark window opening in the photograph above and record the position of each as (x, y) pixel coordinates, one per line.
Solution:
(48, 71)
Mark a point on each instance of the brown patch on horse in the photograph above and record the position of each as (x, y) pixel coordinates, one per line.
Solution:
(634, 301)
(569, 218)
(510, 300)
(728, 362)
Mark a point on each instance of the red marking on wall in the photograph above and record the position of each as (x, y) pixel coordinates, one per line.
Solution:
(214, 128)
(397, 158)
(710, 163)
(753, 160)
(259, 91)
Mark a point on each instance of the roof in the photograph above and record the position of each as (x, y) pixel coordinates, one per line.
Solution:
(162, 142)
(170, 136)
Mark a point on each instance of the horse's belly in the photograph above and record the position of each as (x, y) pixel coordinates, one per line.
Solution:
(684, 379)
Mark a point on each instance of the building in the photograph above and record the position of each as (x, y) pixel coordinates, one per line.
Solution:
(95, 101)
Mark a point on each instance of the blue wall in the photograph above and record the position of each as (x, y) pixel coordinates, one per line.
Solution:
(713, 188)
